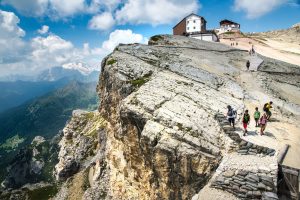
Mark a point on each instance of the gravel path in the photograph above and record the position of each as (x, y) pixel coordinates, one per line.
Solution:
(208, 193)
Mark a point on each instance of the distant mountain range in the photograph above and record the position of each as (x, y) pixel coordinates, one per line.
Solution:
(17, 89)
(77, 71)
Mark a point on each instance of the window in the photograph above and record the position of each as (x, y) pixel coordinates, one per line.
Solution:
(194, 21)
(188, 28)
(194, 27)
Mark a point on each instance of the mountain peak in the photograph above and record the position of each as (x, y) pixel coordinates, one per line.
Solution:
(81, 67)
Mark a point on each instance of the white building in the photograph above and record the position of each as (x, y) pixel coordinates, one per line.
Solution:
(228, 26)
(194, 26)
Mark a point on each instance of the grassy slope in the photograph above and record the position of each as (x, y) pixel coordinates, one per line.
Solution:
(44, 116)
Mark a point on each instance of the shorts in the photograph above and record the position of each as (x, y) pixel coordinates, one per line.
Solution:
(268, 112)
(245, 125)
(231, 120)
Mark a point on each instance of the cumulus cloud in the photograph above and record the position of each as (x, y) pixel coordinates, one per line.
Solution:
(94, 55)
(122, 36)
(11, 42)
(51, 51)
(103, 21)
(29, 7)
(258, 8)
(57, 9)
(130, 11)
(44, 29)
(155, 11)
(18, 55)
(65, 8)
(108, 5)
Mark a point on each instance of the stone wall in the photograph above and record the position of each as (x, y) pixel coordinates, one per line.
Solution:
(243, 147)
(246, 176)
(247, 184)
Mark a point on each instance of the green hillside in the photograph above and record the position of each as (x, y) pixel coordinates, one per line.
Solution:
(43, 116)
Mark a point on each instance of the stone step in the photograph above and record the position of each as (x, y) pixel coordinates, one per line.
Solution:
(255, 62)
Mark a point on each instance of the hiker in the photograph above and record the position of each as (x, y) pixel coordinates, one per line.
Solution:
(252, 50)
(263, 123)
(267, 109)
(231, 114)
(248, 65)
(246, 121)
(256, 117)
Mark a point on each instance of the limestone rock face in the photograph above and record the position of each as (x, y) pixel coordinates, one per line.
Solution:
(78, 143)
(161, 127)
(161, 102)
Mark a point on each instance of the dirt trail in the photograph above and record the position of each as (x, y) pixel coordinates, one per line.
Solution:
(279, 131)
(284, 51)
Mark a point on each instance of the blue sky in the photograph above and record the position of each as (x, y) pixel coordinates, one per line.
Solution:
(86, 30)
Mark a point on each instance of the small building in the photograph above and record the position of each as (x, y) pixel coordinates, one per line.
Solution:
(194, 26)
(228, 26)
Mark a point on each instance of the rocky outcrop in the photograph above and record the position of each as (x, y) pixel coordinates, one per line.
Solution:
(32, 164)
(79, 142)
(165, 141)
(160, 132)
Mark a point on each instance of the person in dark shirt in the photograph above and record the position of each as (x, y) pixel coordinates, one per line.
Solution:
(246, 121)
(248, 64)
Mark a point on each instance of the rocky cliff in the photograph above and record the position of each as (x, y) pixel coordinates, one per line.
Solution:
(160, 132)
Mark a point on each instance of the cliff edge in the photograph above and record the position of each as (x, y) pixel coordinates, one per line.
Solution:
(162, 133)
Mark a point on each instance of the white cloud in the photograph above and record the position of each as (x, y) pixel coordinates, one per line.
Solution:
(122, 36)
(44, 29)
(258, 8)
(103, 21)
(65, 8)
(29, 7)
(108, 5)
(155, 11)
(51, 51)
(11, 42)
(18, 56)
(57, 9)
(94, 56)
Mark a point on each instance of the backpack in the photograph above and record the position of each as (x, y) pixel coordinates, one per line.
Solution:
(231, 113)
(246, 118)
(265, 107)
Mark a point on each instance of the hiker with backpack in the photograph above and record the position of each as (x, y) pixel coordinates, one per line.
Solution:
(256, 117)
(248, 65)
(267, 109)
(246, 121)
(231, 114)
(263, 123)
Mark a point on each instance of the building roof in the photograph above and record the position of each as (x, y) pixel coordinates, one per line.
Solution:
(189, 16)
(228, 21)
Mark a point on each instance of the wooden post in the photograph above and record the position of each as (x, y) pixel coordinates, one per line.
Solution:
(282, 153)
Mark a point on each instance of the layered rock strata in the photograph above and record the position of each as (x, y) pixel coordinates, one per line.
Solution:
(165, 133)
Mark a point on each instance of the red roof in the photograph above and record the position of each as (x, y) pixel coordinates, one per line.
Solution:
(228, 22)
